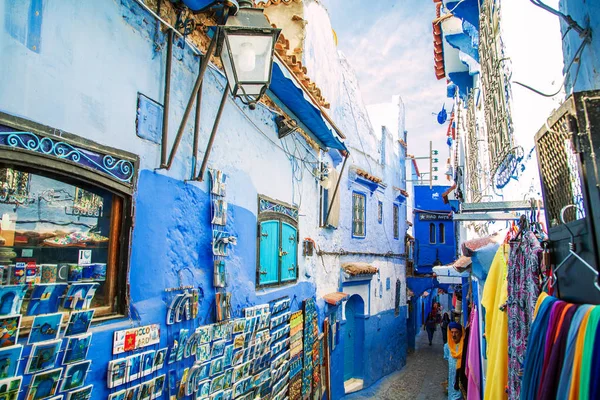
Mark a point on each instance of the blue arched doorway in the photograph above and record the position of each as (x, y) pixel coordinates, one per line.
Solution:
(354, 337)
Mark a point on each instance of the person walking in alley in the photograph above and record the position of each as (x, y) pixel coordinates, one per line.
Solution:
(430, 324)
(444, 325)
(453, 353)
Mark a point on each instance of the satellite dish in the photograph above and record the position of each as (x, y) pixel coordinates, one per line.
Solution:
(442, 116)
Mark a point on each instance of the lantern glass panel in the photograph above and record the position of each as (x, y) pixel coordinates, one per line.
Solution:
(251, 56)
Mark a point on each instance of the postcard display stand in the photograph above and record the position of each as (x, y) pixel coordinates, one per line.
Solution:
(221, 241)
(55, 361)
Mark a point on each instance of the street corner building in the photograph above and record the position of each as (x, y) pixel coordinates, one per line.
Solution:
(194, 202)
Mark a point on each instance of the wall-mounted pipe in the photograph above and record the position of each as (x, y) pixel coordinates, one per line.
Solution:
(166, 102)
(211, 140)
(196, 132)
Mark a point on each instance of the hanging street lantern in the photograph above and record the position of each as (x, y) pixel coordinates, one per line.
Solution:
(247, 45)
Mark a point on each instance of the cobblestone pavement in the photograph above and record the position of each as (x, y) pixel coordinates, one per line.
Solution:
(420, 379)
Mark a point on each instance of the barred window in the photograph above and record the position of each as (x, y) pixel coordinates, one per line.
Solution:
(358, 214)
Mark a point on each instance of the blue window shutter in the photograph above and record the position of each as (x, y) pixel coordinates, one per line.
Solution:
(289, 251)
(269, 253)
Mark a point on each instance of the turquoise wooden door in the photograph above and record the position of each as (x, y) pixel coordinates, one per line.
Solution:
(349, 338)
(269, 253)
(289, 249)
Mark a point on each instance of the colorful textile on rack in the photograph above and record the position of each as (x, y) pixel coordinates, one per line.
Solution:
(588, 351)
(473, 367)
(595, 383)
(496, 327)
(575, 378)
(534, 357)
(523, 291)
(567, 365)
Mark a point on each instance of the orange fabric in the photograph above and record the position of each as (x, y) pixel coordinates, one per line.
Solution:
(574, 390)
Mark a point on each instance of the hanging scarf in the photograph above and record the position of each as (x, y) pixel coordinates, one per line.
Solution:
(588, 351)
(595, 383)
(576, 377)
(473, 367)
(456, 351)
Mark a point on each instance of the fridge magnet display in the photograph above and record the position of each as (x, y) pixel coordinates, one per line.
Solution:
(45, 327)
(117, 373)
(133, 367)
(173, 307)
(77, 348)
(218, 348)
(218, 182)
(222, 331)
(44, 384)
(146, 390)
(223, 306)
(217, 396)
(205, 333)
(216, 366)
(159, 359)
(79, 322)
(9, 330)
(9, 361)
(239, 325)
(84, 393)
(203, 353)
(43, 356)
(147, 360)
(203, 389)
(80, 296)
(220, 278)
(136, 338)
(75, 375)
(11, 299)
(120, 395)
(219, 212)
(183, 337)
(159, 385)
(10, 388)
(133, 393)
(45, 298)
(228, 355)
(204, 371)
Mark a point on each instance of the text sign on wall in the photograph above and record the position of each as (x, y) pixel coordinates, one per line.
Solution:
(435, 217)
(136, 338)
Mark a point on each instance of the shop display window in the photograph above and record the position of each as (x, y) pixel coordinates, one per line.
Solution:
(55, 233)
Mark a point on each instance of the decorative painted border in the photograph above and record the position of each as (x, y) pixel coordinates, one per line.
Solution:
(119, 169)
(268, 205)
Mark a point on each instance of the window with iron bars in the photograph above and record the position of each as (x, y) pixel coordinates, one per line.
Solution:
(358, 215)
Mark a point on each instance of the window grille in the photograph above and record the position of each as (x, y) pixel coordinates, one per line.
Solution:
(396, 221)
(358, 214)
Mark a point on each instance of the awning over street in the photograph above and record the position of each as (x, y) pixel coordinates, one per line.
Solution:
(449, 273)
(294, 101)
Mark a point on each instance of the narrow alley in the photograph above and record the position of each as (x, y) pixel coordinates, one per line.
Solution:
(421, 379)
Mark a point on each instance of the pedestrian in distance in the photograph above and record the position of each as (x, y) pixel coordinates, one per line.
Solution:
(445, 322)
(430, 324)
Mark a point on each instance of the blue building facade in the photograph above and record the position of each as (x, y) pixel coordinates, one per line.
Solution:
(81, 104)
(435, 240)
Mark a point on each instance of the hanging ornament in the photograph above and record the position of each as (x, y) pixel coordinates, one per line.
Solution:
(442, 116)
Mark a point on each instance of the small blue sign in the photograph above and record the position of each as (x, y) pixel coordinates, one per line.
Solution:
(149, 119)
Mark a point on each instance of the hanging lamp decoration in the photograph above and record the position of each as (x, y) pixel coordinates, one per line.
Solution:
(247, 45)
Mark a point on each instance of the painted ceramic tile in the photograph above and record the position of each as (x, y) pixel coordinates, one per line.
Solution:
(228, 395)
(84, 393)
(228, 355)
(203, 353)
(133, 393)
(75, 375)
(134, 367)
(147, 362)
(206, 333)
(203, 389)
(218, 348)
(120, 395)
(219, 212)
(11, 299)
(80, 296)
(191, 345)
(239, 325)
(159, 359)
(217, 396)
(173, 307)
(117, 373)
(174, 349)
(79, 322)
(217, 383)
(45, 327)
(146, 390)
(239, 341)
(43, 356)
(204, 371)
(77, 348)
(222, 331)
(159, 385)
(10, 358)
(44, 384)
(216, 366)
(228, 378)
(9, 388)
(45, 298)
(183, 337)
(9, 330)
(49, 273)
(219, 276)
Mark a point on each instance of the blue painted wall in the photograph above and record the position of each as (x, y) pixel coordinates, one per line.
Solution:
(587, 14)
(89, 63)
(429, 201)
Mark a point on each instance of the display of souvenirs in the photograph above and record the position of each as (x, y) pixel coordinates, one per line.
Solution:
(222, 331)
(135, 338)
(43, 356)
(133, 367)
(11, 299)
(76, 239)
(219, 208)
(84, 393)
(9, 330)
(45, 327)
(49, 273)
(223, 306)
(133, 392)
(75, 375)
(159, 359)
(183, 337)
(80, 296)
(45, 298)
(221, 241)
(44, 385)
(218, 182)
(79, 322)
(146, 389)
(77, 348)
(117, 373)
(147, 360)
(203, 353)
(9, 361)
(10, 388)
(220, 278)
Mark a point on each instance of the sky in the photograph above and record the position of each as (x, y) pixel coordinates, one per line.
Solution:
(390, 45)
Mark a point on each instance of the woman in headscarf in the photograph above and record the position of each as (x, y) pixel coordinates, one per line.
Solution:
(430, 324)
(453, 353)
